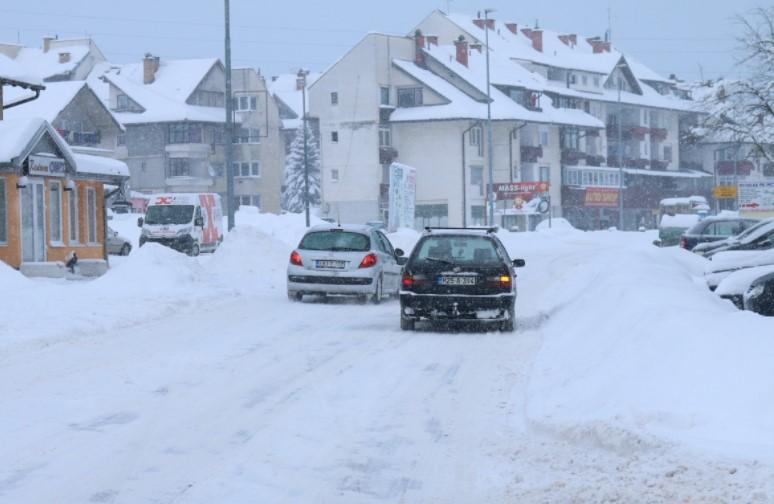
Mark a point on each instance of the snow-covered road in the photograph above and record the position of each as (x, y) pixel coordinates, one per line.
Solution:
(246, 397)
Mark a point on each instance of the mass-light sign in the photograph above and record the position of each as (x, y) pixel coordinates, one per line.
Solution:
(513, 190)
(756, 196)
(402, 196)
(46, 166)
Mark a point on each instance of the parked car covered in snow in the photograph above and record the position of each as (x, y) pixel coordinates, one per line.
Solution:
(707, 249)
(117, 244)
(713, 229)
(761, 238)
(189, 223)
(355, 260)
(725, 263)
(459, 275)
(750, 288)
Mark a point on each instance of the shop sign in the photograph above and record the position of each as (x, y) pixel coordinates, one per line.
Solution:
(46, 166)
(514, 190)
(601, 197)
(725, 192)
(756, 196)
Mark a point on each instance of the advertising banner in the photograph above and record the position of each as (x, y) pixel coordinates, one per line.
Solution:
(402, 196)
(756, 196)
(46, 166)
(513, 190)
(601, 197)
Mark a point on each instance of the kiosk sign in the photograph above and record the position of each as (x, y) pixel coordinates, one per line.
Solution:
(46, 166)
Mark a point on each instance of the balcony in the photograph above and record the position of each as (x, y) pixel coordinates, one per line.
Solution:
(637, 163)
(80, 138)
(656, 164)
(658, 134)
(573, 156)
(387, 154)
(635, 132)
(595, 160)
(742, 168)
(531, 153)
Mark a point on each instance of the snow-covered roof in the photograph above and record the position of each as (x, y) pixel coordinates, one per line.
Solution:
(16, 135)
(10, 70)
(47, 65)
(99, 165)
(462, 106)
(165, 98)
(283, 87)
(48, 105)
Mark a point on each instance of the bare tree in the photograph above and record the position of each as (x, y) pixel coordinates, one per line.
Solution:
(742, 110)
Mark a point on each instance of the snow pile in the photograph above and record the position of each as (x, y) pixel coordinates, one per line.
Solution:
(558, 225)
(404, 238)
(635, 347)
(288, 228)
(11, 280)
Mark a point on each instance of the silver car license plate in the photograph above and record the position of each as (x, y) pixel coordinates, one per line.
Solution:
(457, 280)
(328, 264)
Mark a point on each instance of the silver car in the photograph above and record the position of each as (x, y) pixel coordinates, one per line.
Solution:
(117, 244)
(345, 260)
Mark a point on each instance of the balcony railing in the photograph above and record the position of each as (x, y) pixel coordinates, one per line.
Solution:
(595, 160)
(659, 134)
(572, 156)
(637, 163)
(83, 138)
(657, 164)
(730, 167)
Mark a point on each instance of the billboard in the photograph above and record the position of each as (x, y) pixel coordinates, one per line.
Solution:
(513, 190)
(601, 197)
(756, 196)
(402, 196)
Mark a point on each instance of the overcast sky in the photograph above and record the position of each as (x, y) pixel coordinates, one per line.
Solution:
(671, 36)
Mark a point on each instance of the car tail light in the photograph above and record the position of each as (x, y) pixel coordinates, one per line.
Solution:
(295, 258)
(501, 281)
(407, 281)
(368, 261)
(683, 243)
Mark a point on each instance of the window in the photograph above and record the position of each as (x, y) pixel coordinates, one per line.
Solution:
(545, 174)
(247, 169)
(570, 139)
(55, 211)
(384, 95)
(527, 173)
(334, 175)
(477, 215)
(248, 136)
(431, 215)
(121, 139)
(245, 103)
(91, 212)
(585, 80)
(179, 167)
(768, 170)
(476, 140)
(334, 98)
(250, 200)
(335, 240)
(3, 213)
(335, 136)
(125, 104)
(184, 133)
(410, 97)
(72, 214)
(385, 136)
(596, 81)
(477, 178)
(668, 153)
(544, 137)
(209, 98)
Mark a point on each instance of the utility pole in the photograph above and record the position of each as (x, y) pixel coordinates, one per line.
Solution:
(230, 200)
(490, 148)
(620, 160)
(301, 81)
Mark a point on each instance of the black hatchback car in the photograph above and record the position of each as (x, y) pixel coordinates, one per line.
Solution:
(714, 229)
(459, 274)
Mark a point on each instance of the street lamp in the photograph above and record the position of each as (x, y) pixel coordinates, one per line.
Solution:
(301, 82)
(230, 200)
(620, 154)
(489, 147)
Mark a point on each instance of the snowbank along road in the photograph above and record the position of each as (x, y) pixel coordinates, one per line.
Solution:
(193, 380)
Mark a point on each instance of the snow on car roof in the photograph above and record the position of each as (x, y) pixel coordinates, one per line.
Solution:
(738, 259)
(739, 281)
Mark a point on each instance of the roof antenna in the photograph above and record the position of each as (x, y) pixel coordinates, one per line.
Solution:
(609, 34)
(537, 25)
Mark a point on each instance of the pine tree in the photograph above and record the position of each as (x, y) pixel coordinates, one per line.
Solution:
(293, 186)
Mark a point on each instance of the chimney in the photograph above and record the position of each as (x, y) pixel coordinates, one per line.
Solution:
(479, 23)
(150, 64)
(536, 36)
(419, 45)
(598, 45)
(432, 39)
(462, 50)
(64, 57)
(47, 43)
(513, 27)
(570, 39)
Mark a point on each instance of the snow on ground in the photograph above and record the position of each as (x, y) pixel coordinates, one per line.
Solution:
(193, 380)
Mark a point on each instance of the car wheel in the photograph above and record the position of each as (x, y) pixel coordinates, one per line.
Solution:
(507, 325)
(376, 298)
(295, 296)
(126, 249)
(194, 250)
(406, 324)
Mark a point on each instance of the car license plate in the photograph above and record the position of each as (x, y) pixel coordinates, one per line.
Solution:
(457, 280)
(330, 264)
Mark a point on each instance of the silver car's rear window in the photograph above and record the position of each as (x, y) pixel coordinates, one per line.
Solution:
(336, 241)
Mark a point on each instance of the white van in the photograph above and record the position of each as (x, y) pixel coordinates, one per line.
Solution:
(186, 222)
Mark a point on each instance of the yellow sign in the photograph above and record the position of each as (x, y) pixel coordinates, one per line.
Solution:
(725, 192)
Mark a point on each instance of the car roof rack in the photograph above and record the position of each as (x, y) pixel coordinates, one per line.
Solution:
(492, 229)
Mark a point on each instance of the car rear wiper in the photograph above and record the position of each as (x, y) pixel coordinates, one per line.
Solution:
(437, 259)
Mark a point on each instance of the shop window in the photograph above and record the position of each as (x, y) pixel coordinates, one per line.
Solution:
(3, 213)
(91, 213)
(72, 201)
(55, 211)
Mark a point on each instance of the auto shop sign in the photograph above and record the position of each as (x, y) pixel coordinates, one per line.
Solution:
(601, 197)
(756, 196)
(522, 190)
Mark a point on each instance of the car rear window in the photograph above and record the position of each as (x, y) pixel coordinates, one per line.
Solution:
(459, 249)
(336, 241)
